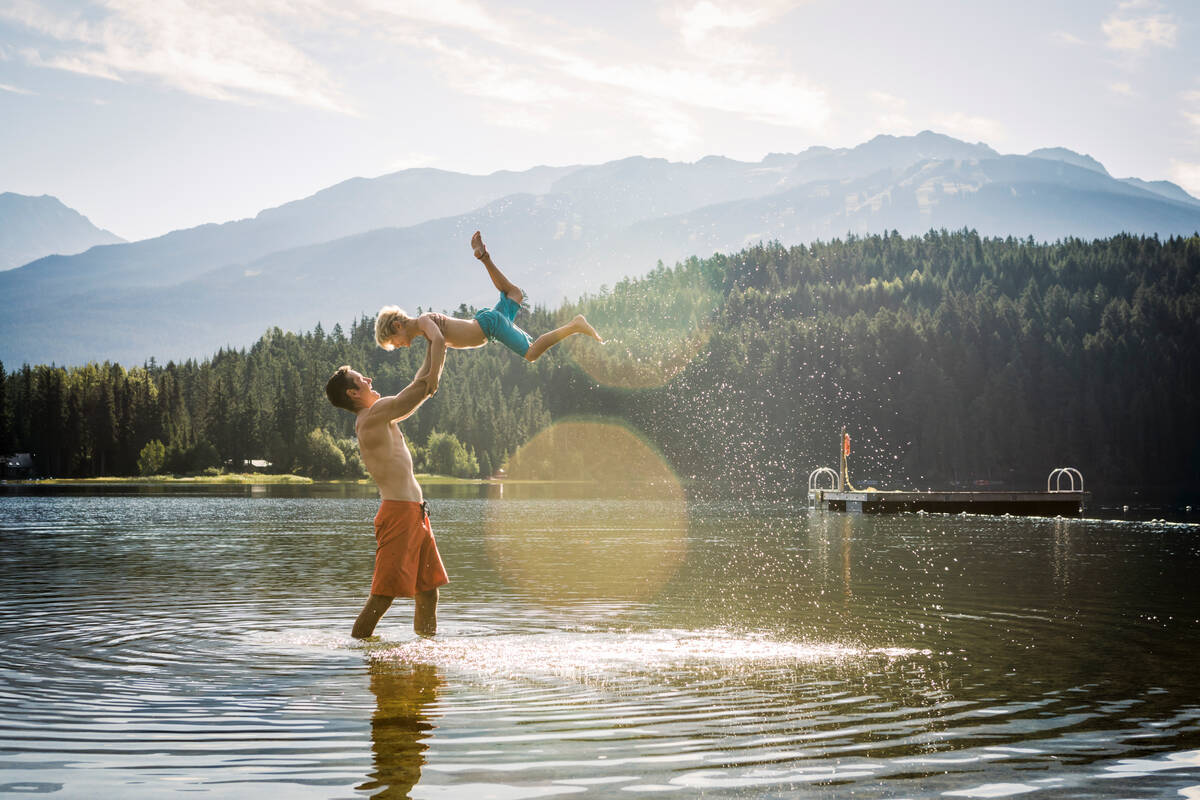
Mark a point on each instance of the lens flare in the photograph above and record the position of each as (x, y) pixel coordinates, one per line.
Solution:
(623, 543)
(653, 328)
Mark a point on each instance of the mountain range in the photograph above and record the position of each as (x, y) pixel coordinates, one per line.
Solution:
(33, 227)
(558, 232)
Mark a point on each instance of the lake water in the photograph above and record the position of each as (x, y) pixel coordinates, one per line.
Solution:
(162, 644)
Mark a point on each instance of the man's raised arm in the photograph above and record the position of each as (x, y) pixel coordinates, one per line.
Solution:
(404, 403)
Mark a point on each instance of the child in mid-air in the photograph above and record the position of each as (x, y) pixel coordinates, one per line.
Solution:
(394, 328)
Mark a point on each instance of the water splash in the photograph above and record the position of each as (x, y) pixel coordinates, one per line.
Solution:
(596, 655)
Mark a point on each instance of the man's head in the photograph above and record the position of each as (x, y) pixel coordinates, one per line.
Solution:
(350, 390)
(391, 325)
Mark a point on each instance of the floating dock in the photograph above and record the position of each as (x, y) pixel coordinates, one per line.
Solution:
(1064, 496)
(1040, 504)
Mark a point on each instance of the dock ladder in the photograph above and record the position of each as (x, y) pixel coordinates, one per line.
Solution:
(1057, 476)
(814, 489)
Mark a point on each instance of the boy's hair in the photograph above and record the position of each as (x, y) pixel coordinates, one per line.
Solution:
(337, 387)
(387, 321)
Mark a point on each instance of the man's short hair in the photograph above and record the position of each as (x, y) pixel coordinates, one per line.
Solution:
(338, 385)
(387, 321)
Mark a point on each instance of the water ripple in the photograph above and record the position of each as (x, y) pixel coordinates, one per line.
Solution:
(159, 645)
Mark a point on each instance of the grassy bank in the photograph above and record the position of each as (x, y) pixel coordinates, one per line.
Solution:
(254, 478)
(232, 477)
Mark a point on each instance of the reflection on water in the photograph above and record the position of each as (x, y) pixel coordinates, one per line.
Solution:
(154, 645)
(400, 724)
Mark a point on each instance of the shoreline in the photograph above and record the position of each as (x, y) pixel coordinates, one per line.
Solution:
(236, 479)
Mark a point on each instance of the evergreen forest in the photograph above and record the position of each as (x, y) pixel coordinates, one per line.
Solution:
(951, 360)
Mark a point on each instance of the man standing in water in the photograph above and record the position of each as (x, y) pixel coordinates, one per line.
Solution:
(407, 562)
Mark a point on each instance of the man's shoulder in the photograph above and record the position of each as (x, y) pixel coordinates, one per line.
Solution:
(378, 417)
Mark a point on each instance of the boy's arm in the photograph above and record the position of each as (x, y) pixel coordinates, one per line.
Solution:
(435, 354)
(430, 373)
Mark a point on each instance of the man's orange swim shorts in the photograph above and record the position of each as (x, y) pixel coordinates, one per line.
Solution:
(406, 559)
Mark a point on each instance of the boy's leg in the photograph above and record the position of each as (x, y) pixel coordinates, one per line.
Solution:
(368, 618)
(425, 613)
(499, 280)
(548, 340)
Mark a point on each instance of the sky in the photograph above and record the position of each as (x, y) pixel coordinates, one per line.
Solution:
(148, 116)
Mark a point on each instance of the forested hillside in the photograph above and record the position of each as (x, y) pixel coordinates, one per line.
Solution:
(950, 358)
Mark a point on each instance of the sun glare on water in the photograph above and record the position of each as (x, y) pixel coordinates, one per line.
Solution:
(617, 547)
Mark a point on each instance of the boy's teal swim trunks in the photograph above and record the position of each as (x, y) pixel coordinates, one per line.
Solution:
(497, 325)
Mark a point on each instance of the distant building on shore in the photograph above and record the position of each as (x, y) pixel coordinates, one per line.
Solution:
(18, 466)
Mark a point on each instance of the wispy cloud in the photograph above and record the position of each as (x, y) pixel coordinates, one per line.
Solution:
(1063, 37)
(967, 127)
(4, 87)
(721, 32)
(673, 131)
(890, 116)
(472, 72)
(70, 63)
(1130, 31)
(460, 14)
(410, 161)
(1122, 87)
(254, 51)
(1190, 107)
(781, 99)
(531, 67)
(1187, 175)
(222, 49)
(699, 20)
(886, 101)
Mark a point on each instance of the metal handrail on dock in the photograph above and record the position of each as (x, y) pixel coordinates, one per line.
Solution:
(814, 477)
(1070, 473)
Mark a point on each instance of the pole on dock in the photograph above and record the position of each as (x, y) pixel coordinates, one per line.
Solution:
(845, 448)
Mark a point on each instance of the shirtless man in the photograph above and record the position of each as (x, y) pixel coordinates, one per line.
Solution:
(407, 562)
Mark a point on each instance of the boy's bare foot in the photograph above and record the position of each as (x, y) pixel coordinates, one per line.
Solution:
(582, 325)
(477, 246)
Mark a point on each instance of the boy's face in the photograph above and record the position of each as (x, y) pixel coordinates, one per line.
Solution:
(399, 337)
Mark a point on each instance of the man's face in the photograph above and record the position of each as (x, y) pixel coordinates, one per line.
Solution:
(362, 393)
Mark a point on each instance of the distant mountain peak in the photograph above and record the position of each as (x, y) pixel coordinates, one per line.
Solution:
(1171, 191)
(1069, 157)
(929, 144)
(32, 227)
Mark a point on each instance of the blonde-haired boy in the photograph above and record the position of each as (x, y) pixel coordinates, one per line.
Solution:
(394, 328)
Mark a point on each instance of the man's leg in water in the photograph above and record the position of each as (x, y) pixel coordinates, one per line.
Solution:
(499, 280)
(425, 613)
(368, 618)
